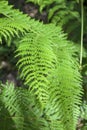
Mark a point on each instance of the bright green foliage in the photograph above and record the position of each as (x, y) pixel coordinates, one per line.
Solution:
(37, 61)
(66, 91)
(48, 66)
(59, 83)
(10, 23)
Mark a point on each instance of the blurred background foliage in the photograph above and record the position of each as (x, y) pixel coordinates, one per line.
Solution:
(64, 13)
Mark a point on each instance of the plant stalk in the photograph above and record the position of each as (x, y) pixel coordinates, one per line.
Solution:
(82, 26)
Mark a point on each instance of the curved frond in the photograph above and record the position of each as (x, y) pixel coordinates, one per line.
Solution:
(49, 67)
(36, 63)
(65, 89)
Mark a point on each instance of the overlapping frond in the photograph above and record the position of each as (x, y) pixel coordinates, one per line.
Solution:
(17, 110)
(12, 22)
(66, 95)
(56, 78)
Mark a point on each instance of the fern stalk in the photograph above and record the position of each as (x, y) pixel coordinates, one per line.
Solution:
(82, 25)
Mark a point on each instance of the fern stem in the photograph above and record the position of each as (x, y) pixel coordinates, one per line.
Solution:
(82, 25)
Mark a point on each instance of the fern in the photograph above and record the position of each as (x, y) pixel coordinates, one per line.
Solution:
(62, 13)
(37, 61)
(64, 86)
(48, 65)
(10, 23)
(64, 90)
(18, 109)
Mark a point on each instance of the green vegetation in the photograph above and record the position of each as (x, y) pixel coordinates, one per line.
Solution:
(46, 58)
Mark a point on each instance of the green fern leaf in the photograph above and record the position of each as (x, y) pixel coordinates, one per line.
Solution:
(18, 110)
(36, 62)
(12, 22)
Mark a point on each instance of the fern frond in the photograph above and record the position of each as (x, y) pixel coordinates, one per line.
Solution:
(66, 88)
(12, 22)
(17, 110)
(36, 63)
(65, 14)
